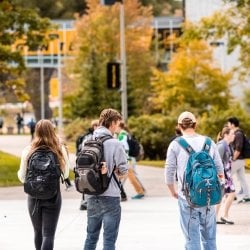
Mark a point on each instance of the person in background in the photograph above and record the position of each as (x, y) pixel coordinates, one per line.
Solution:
(198, 224)
(238, 164)
(1, 124)
(132, 174)
(105, 209)
(226, 136)
(19, 123)
(32, 124)
(44, 214)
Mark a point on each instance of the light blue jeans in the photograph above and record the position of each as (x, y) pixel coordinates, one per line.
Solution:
(106, 211)
(198, 226)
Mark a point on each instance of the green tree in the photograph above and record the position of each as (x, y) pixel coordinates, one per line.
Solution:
(55, 9)
(163, 7)
(231, 24)
(17, 23)
(192, 81)
(97, 43)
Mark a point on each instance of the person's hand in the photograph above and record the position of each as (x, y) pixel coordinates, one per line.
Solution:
(104, 169)
(175, 195)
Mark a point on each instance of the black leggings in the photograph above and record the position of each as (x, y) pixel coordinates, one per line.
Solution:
(44, 216)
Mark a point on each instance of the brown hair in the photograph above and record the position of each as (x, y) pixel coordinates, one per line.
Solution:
(187, 123)
(123, 125)
(107, 116)
(45, 137)
(223, 132)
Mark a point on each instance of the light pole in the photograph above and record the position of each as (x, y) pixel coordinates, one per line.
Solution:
(60, 95)
(124, 101)
(42, 85)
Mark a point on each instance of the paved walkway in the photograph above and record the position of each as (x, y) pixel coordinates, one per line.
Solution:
(148, 224)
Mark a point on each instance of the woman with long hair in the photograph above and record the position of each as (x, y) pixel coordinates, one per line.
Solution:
(225, 138)
(44, 213)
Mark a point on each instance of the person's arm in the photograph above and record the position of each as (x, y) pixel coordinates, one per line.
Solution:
(238, 143)
(170, 170)
(67, 162)
(236, 155)
(171, 188)
(21, 174)
(121, 162)
(218, 163)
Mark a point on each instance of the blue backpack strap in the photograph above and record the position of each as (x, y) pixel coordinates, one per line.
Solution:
(207, 145)
(185, 145)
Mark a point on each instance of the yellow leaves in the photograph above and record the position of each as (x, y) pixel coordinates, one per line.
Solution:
(192, 79)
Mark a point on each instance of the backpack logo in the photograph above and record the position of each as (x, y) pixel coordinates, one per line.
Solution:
(88, 177)
(201, 185)
(43, 174)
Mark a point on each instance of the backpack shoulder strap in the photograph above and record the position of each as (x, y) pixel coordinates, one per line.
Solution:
(104, 138)
(185, 145)
(207, 145)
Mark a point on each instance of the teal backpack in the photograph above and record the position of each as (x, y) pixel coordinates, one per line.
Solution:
(201, 185)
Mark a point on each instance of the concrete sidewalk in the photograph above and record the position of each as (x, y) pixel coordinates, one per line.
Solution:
(148, 224)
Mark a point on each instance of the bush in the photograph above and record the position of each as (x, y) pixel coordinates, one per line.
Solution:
(155, 132)
(9, 166)
(76, 128)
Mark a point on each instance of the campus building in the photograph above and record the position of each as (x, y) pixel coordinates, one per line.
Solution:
(205, 8)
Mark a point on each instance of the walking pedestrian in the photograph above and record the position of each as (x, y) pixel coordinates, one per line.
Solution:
(32, 124)
(238, 164)
(19, 123)
(104, 209)
(226, 136)
(44, 213)
(198, 224)
(133, 177)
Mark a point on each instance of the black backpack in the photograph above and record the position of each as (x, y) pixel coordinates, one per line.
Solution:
(43, 174)
(246, 146)
(79, 141)
(88, 177)
(134, 146)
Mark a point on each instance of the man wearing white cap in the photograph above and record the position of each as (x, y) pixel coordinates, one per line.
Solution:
(198, 224)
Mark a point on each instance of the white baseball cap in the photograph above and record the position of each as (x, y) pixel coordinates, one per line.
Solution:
(186, 115)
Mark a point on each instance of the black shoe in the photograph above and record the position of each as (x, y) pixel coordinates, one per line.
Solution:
(83, 206)
(220, 222)
(124, 198)
(226, 221)
(244, 200)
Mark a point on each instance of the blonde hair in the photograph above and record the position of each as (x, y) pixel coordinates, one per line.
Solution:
(223, 132)
(46, 138)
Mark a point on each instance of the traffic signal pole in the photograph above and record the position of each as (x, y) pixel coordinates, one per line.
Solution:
(124, 101)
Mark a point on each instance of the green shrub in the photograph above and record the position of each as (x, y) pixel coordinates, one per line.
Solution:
(9, 166)
(76, 128)
(156, 131)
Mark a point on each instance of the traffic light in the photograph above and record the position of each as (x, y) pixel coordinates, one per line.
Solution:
(109, 2)
(113, 75)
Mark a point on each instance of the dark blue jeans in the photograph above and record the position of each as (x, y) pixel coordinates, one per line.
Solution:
(106, 211)
(44, 215)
